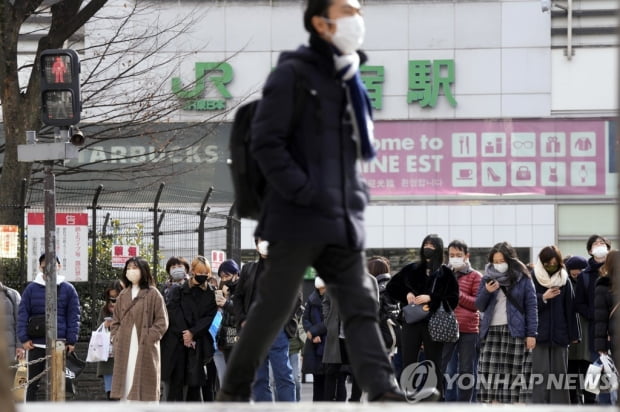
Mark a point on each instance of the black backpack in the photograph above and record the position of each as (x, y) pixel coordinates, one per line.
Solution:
(249, 184)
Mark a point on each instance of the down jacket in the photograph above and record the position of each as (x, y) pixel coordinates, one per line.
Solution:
(313, 184)
(604, 330)
(521, 325)
(33, 304)
(466, 312)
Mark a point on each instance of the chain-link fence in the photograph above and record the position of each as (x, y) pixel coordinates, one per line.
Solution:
(163, 221)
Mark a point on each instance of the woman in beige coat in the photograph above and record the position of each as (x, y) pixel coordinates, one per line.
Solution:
(139, 322)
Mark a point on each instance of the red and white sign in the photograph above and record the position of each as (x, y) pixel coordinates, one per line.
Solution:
(71, 244)
(120, 254)
(217, 257)
(8, 241)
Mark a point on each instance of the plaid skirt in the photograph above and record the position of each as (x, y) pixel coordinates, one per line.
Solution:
(504, 368)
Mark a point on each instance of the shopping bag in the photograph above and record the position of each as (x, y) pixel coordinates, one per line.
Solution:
(99, 345)
(21, 377)
(609, 374)
(73, 369)
(593, 377)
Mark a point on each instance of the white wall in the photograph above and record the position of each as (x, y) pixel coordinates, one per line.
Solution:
(480, 226)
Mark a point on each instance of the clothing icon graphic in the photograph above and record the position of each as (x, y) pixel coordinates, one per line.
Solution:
(552, 145)
(583, 144)
(553, 174)
(465, 174)
(523, 173)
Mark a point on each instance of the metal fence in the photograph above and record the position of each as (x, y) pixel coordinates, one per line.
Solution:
(166, 221)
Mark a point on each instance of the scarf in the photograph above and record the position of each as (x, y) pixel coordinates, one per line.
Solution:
(504, 279)
(463, 270)
(556, 280)
(347, 68)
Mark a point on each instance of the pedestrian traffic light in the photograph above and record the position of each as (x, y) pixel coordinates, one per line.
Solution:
(60, 87)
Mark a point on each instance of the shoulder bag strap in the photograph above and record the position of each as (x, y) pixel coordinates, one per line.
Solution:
(133, 302)
(613, 310)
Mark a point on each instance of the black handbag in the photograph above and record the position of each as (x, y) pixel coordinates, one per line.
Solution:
(36, 326)
(73, 368)
(415, 313)
(227, 336)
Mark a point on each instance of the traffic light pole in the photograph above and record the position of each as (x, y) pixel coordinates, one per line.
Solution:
(55, 389)
(48, 153)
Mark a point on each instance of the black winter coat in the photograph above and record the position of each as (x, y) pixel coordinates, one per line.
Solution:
(313, 322)
(412, 278)
(604, 328)
(315, 193)
(557, 319)
(584, 296)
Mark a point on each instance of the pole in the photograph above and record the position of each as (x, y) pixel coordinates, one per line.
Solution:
(51, 297)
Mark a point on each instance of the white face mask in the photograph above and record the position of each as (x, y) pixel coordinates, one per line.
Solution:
(263, 247)
(177, 273)
(457, 262)
(133, 275)
(349, 34)
(501, 267)
(600, 251)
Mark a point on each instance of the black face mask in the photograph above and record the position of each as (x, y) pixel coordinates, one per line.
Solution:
(428, 252)
(201, 279)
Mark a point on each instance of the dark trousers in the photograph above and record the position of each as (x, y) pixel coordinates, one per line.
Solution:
(344, 273)
(335, 383)
(318, 387)
(416, 334)
(34, 370)
(460, 361)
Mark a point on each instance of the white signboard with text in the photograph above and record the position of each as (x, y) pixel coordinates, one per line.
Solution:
(71, 244)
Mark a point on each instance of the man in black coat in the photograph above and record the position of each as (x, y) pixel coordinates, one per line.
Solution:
(313, 213)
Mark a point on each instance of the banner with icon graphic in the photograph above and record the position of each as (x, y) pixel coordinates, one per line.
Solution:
(511, 157)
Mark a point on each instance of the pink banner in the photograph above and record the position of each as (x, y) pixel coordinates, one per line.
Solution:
(537, 157)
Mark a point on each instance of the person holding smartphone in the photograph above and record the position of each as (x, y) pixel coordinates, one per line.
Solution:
(557, 327)
(508, 329)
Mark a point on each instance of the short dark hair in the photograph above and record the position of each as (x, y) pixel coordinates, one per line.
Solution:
(594, 238)
(177, 260)
(459, 245)
(146, 278)
(378, 265)
(315, 8)
(42, 258)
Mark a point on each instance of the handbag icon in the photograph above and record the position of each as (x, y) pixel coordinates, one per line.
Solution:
(523, 173)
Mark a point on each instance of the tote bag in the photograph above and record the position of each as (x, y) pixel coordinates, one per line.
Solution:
(443, 326)
(99, 345)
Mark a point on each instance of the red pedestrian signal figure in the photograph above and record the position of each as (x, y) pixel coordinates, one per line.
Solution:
(60, 87)
(59, 68)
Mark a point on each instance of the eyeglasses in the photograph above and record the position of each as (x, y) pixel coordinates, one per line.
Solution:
(202, 259)
(113, 300)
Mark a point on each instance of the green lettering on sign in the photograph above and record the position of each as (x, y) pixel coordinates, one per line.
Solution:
(373, 78)
(218, 73)
(427, 79)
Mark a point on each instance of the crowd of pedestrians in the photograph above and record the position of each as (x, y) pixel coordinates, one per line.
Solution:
(522, 328)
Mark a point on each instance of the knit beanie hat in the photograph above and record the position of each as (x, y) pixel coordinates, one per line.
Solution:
(228, 266)
(318, 283)
(576, 262)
